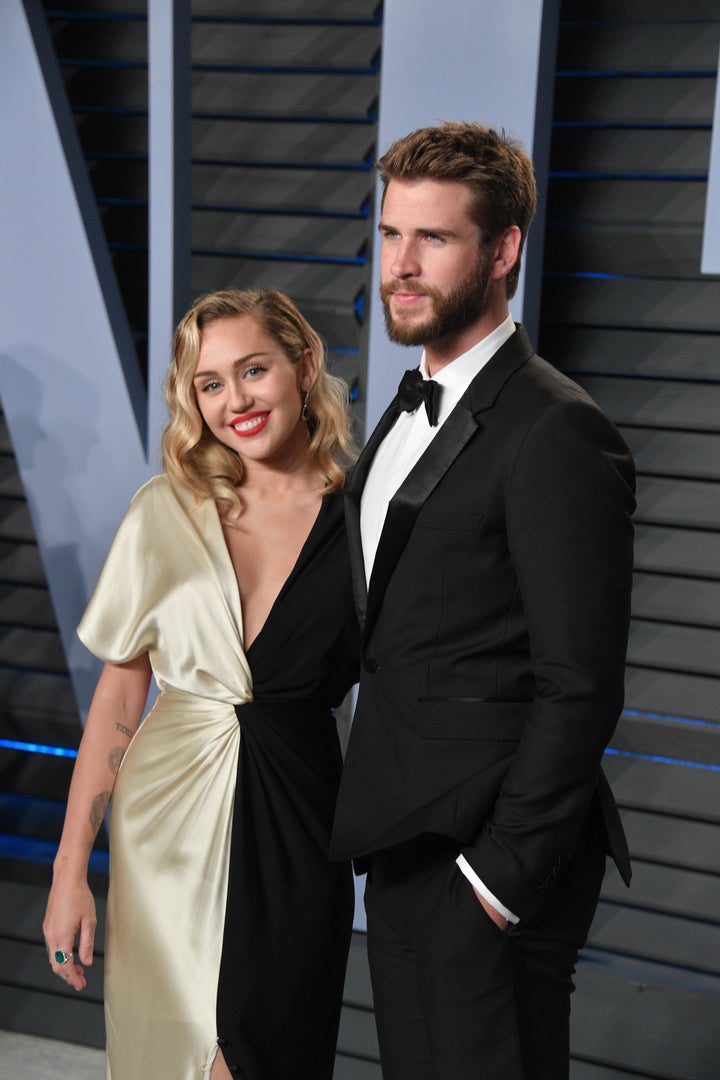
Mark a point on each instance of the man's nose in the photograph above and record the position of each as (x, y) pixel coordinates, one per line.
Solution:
(405, 262)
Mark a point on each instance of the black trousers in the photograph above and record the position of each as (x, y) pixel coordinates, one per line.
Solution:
(455, 997)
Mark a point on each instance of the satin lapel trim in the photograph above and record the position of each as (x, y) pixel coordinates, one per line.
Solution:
(353, 497)
(407, 501)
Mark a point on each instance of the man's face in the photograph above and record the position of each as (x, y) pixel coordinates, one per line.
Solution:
(434, 272)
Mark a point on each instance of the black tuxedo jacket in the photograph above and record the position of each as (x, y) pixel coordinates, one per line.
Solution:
(494, 633)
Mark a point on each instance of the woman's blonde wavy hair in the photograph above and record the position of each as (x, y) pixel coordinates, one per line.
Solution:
(192, 456)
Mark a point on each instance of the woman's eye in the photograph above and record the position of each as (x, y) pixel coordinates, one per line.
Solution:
(254, 369)
(210, 386)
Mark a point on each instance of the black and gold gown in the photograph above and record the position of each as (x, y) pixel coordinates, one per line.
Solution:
(225, 921)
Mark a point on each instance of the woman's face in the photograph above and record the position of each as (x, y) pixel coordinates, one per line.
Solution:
(249, 393)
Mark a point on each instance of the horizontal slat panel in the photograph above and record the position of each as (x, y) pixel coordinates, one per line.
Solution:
(25, 774)
(342, 191)
(26, 607)
(629, 201)
(676, 599)
(324, 294)
(657, 937)
(656, 403)
(663, 889)
(239, 45)
(15, 523)
(677, 551)
(644, 1018)
(689, 503)
(88, 40)
(292, 234)
(668, 739)
(21, 563)
(646, 249)
(643, 151)
(279, 143)
(234, 140)
(664, 789)
(632, 352)
(672, 693)
(284, 9)
(5, 443)
(642, 10)
(633, 304)
(229, 93)
(674, 453)
(10, 482)
(52, 1017)
(673, 841)
(678, 648)
(663, 46)
(38, 705)
(30, 649)
(634, 100)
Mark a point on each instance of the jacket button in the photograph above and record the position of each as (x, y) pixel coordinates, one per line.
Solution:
(370, 665)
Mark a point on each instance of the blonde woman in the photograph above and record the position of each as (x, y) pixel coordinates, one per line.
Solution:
(228, 579)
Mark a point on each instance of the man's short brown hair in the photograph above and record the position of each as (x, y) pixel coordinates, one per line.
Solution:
(493, 165)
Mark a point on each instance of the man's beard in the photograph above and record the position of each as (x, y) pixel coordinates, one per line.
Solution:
(452, 312)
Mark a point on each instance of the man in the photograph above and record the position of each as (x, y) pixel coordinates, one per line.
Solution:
(492, 545)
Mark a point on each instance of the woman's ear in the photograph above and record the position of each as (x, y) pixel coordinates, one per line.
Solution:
(308, 370)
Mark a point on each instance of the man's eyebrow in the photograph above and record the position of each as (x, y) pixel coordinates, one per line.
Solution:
(421, 230)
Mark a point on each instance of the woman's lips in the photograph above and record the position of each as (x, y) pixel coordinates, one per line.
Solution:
(250, 424)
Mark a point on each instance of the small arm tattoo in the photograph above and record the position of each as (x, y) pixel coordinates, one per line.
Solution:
(115, 757)
(98, 808)
(123, 730)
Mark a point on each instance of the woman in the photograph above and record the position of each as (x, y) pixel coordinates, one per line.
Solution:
(228, 579)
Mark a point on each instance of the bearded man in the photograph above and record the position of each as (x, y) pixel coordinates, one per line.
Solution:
(489, 519)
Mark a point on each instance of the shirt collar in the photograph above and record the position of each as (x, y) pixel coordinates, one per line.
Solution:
(456, 376)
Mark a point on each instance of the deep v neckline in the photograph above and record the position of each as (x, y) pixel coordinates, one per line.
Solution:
(297, 566)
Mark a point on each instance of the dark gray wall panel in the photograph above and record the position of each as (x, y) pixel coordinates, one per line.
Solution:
(634, 352)
(680, 791)
(676, 599)
(683, 454)
(672, 692)
(677, 551)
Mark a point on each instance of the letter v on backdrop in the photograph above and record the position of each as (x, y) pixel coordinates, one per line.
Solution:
(83, 427)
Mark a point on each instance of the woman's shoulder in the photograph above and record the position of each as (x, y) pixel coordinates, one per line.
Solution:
(160, 496)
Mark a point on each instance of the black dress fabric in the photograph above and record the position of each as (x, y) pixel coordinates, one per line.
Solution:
(289, 910)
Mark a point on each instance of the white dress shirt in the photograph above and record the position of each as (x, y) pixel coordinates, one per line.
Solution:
(400, 450)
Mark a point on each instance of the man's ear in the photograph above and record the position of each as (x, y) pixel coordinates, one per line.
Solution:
(507, 250)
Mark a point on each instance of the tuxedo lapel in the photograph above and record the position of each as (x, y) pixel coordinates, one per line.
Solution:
(405, 505)
(407, 501)
(353, 497)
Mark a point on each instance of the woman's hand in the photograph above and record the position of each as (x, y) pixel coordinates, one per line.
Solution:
(70, 912)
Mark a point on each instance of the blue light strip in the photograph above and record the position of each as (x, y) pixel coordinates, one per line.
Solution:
(37, 748)
(662, 760)
(714, 724)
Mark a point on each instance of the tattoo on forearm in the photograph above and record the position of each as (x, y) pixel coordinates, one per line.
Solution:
(115, 757)
(98, 808)
(123, 730)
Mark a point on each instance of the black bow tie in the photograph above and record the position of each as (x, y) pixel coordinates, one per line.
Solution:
(413, 389)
